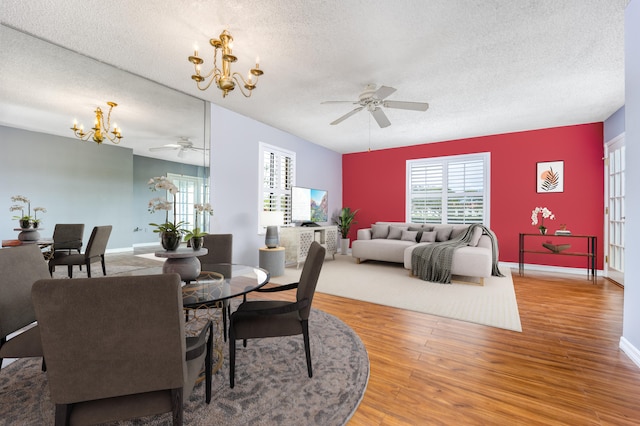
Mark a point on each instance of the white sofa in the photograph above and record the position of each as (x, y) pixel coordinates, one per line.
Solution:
(398, 243)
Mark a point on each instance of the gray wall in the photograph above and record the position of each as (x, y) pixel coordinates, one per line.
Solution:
(81, 182)
(235, 171)
(631, 323)
(614, 125)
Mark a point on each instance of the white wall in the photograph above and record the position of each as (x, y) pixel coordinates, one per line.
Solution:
(235, 174)
(630, 341)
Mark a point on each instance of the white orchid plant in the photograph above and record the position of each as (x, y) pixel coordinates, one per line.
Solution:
(546, 214)
(26, 203)
(204, 208)
(162, 183)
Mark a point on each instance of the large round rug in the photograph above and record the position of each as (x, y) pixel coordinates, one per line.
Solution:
(272, 386)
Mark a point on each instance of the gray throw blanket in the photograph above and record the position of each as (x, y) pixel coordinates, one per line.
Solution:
(432, 262)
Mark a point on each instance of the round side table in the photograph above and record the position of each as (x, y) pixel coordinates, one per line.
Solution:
(272, 259)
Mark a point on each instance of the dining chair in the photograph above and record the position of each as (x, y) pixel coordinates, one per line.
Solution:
(21, 267)
(94, 252)
(124, 357)
(274, 318)
(220, 252)
(68, 236)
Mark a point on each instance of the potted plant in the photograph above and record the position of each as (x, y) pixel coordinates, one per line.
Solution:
(196, 235)
(25, 219)
(170, 232)
(546, 214)
(344, 221)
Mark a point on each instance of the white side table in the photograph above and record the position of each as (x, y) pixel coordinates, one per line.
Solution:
(272, 259)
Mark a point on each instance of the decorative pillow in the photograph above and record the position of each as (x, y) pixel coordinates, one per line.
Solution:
(395, 232)
(418, 230)
(409, 235)
(475, 237)
(427, 228)
(428, 237)
(444, 233)
(379, 231)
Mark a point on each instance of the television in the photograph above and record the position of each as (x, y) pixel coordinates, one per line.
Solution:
(309, 205)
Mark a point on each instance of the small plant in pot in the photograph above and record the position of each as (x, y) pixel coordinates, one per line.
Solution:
(344, 221)
(196, 236)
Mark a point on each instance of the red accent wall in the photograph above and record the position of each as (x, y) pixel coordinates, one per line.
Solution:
(375, 182)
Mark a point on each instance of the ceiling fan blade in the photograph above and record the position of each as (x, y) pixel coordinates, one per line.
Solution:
(381, 118)
(415, 106)
(164, 148)
(338, 102)
(181, 152)
(347, 115)
(384, 91)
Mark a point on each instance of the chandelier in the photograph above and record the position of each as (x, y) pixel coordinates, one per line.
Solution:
(224, 78)
(99, 132)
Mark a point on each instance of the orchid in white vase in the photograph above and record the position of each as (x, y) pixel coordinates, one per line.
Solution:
(546, 214)
(158, 203)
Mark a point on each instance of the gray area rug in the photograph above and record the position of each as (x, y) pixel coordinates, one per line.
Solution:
(272, 386)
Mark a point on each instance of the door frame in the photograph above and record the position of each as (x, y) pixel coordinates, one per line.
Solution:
(614, 275)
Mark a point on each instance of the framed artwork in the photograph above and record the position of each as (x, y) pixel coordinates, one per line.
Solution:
(550, 176)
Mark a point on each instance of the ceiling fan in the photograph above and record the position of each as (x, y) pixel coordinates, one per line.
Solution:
(373, 99)
(184, 144)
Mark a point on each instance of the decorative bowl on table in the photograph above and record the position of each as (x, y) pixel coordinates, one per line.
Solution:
(556, 248)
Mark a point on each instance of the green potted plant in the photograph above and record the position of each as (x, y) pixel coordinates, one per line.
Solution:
(170, 232)
(196, 235)
(344, 221)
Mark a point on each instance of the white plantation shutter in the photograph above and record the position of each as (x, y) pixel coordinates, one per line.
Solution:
(448, 189)
(277, 178)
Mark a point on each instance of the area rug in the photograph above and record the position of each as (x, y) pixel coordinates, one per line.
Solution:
(493, 304)
(96, 270)
(272, 386)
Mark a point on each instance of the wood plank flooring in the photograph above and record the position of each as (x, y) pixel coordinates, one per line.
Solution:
(564, 368)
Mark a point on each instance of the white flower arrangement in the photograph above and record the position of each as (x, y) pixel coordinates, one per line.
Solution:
(546, 214)
(200, 209)
(24, 200)
(162, 183)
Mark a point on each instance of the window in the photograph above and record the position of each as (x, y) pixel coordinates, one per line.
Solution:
(449, 189)
(192, 190)
(278, 171)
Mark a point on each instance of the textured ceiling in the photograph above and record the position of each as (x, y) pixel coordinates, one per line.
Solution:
(485, 67)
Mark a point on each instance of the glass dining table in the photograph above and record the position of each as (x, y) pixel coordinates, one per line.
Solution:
(212, 290)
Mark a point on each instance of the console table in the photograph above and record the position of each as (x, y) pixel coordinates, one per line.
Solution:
(591, 252)
(297, 240)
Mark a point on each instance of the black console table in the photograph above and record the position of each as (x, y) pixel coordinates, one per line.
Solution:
(591, 251)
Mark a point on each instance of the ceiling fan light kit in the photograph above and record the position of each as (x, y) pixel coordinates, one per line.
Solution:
(373, 100)
(224, 78)
(99, 132)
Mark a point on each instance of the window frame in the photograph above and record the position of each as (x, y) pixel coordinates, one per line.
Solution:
(185, 200)
(445, 162)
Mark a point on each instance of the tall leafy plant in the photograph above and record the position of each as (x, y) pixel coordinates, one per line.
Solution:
(344, 220)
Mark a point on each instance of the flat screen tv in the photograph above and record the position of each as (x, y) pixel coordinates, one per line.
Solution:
(309, 205)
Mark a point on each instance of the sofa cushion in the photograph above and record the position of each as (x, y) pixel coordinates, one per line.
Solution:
(428, 237)
(443, 233)
(395, 232)
(379, 231)
(418, 230)
(458, 231)
(409, 235)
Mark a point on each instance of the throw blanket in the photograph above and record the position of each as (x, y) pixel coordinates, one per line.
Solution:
(432, 262)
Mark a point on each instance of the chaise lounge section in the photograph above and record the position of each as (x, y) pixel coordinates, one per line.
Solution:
(395, 242)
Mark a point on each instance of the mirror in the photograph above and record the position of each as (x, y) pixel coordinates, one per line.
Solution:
(45, 87)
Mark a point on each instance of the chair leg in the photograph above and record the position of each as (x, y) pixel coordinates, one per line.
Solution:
(63, 414)
(88, 264)
(104, 268)
(225, 306)
(232, 356)
(307, 347)
(176, 406)
(208, 366)
(70, 271)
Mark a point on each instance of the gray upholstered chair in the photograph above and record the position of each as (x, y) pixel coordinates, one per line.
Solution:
(20, 268)
(94, 252)
(273, 318)
(121, 358)
(68, 236)
(220, 252)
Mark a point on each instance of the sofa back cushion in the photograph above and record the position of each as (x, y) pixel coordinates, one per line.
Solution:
(395, 232)
(379, 231)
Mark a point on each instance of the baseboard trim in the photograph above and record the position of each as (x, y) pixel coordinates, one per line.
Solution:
(631, 351)
(546, 268)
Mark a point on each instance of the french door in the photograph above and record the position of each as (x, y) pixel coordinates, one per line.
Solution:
(615, 209)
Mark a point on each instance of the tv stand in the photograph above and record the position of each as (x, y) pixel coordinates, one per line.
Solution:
(297, 241)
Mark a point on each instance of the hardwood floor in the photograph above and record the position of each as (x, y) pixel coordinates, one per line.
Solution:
(564, 368)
